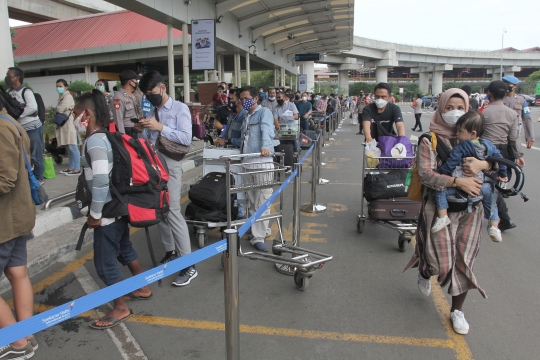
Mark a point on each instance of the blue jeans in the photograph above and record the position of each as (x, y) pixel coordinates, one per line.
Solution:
(304, 124)
(36, 151)
(487, 193)
(74, 157)
(111, 243)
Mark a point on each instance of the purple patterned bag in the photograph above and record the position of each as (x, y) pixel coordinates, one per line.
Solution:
(399, 148)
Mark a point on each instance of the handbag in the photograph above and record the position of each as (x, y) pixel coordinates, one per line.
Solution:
(60, 119)
(39, 196)
(170, 148)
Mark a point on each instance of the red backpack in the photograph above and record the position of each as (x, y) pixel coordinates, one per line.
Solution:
(138, 182)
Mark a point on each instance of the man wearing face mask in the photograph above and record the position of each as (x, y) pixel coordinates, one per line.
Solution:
(233, 135)
(304, 111)
(521, 107)
(170, 119)
(270, 103)
(262, 95)
(124, 104)
(379, 117)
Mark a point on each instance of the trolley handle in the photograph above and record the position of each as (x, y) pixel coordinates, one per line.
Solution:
(252, 155)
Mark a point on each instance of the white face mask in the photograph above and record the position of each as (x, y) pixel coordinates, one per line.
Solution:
(80, 124)
(304, 98)
(380, 103)
(452, 117)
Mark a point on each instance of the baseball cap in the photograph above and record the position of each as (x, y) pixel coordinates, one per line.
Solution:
(497, 88)
(128, 75)
(511, 79)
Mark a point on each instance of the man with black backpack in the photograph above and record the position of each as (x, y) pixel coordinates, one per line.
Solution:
(29, 118)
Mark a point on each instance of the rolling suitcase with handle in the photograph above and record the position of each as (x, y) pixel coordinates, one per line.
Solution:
(400, 208)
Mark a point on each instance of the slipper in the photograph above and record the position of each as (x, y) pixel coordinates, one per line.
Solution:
(114, 321)
(132, 296)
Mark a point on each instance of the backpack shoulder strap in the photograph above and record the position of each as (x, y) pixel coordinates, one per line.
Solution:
(22, 94)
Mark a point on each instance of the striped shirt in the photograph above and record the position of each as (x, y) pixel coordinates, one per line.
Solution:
(97, 163)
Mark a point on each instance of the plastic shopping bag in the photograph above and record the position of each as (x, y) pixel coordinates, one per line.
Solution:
(372, 153)
(49, 172)
(355, 119)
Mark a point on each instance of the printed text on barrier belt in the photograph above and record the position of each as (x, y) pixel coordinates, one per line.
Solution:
(88, 302)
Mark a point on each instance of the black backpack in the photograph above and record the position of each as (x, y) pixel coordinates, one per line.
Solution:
(13, 107)
(40, 106)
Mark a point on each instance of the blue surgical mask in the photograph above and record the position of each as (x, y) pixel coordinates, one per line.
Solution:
(101, 88)
(60, 90)
(273, 98)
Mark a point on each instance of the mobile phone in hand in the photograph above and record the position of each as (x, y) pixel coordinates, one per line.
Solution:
(134, 120)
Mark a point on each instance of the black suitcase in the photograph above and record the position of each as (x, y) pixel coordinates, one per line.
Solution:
(312, 134)
(385, 185)
(288, 150)
(401, 209)
(305, 142)
(197, 213)
(210, 192)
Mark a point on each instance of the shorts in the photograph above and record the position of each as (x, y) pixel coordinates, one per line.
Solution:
(13, 253)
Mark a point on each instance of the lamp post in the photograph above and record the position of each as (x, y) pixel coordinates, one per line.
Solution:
(502, 51)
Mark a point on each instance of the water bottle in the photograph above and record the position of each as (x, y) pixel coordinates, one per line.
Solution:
(241, 213)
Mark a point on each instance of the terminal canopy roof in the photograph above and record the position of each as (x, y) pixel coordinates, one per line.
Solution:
(295, 26)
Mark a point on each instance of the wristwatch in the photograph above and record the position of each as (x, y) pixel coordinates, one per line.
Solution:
(454, 184)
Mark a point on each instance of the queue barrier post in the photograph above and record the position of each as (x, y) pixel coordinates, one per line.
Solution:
(313, 207)
(320, 180)
(232, 316)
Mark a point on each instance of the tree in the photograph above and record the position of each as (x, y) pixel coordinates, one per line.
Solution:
(355, 88)
(79, 87)
(450, 85)
(263, 78)
(477, 89)
(410, 91)
(529, 85)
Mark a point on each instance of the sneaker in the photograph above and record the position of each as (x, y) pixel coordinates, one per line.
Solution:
(424, 285)
(261, 246)
(185, 276)
(461, 326)
(65, 171)
(413, 129)
(9, 352)
(495, 234)
(195, 139)
(169, 256)
(440, 224)
(73, 173)
(33, 342)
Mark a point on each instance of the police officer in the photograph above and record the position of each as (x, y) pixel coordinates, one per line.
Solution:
(502, 130)
(124, 104)
(521, 107)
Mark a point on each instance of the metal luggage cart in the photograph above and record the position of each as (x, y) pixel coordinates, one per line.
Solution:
(406, 229)
(260, 175)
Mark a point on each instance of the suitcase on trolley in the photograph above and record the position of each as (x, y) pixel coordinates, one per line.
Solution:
(210, 192)
(288, 150)
(397, 209)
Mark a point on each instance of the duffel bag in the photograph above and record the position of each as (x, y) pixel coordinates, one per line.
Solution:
(385, 186)
(210, 192)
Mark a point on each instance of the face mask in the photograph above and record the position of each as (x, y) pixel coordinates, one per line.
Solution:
(452, 117)
(80, 124)
(272, 98)
(297, 97)
(248, 103)
(134, 86)
(60, 90)
(8, 81)
(232, 105)
(101, 88)
(280, 102)
(155, 99)
(510, 88)
(380, 103)
(304, 98)
(261, 90)
(317, 98)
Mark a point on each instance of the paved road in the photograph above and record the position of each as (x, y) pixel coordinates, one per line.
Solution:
(359, 306)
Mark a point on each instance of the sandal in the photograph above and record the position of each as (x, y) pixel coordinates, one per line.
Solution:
(132, 296)
(114, 321)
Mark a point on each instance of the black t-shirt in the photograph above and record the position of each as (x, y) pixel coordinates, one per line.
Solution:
(386, 119)
(473, 103)
(222, 115)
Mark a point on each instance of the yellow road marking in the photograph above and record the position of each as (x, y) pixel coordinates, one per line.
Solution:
(461, 348)
(333, 208)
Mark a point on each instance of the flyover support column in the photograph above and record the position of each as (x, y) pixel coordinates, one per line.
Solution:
(308, 68)
(381, 74)
(219, 68)
(437, 82)
(248, 70)
(276, 78)
(6, 56)
(185, 63)
(237, 71)
(343, 82)
(423, 82)
(282, 82)
(170, 58)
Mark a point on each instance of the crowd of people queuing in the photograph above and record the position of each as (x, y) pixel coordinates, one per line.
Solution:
(248, 119)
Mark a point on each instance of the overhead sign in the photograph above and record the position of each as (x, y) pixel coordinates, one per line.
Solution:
(203, 44)
(307, 57)
(302, 82)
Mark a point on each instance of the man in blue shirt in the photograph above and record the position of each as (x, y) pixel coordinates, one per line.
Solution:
(233, 133)
(304, 111)
(172, 120)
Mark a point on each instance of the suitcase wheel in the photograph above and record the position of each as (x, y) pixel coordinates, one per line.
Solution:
(401, 242)
(360, 225)
(202, 238)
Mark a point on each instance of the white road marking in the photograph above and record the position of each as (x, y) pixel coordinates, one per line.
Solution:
(125, 342)
(532, 147)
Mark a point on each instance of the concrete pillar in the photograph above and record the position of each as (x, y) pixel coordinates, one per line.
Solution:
(205, 75)
(6, 55)
(221, 68)
(248, 70)
(343, 81)
(185, 63)
(424, 82)
(170, 59)
(437, 82)
(275, 77)
(87, 73)
(237, 71)
(282, 81)
(308, 68)
(381, 74)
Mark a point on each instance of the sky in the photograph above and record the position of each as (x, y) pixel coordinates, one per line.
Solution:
(456, 24)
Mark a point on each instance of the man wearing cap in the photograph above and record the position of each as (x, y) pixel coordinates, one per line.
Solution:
(521, 107)
(502, 130)
(124, 104)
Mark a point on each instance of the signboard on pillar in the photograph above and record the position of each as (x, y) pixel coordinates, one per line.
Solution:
(203, 44)
(302, 82)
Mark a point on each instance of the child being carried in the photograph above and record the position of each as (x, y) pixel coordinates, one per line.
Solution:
(469, 129)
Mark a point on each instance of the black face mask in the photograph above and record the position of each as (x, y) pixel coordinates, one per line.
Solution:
(8, 81)
(134, 86)
(232, 106)
(280, 102)
(155, 99)
(509, 90)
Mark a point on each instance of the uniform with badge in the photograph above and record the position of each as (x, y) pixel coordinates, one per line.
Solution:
(521, 107)
(124, 107)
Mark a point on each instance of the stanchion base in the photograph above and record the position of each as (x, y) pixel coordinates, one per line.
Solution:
(325, 145)
(323, 153)
(331, 139)
(313, 209)
(285, 269)
(323, 181)
(323, 164)
(334, 134)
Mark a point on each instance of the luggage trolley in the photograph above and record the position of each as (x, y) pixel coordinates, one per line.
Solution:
(260, 175)
(406, 228)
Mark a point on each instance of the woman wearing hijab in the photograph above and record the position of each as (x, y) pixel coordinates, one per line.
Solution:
(449, 254)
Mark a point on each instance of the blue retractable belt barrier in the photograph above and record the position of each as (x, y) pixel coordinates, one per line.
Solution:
(88, 302)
